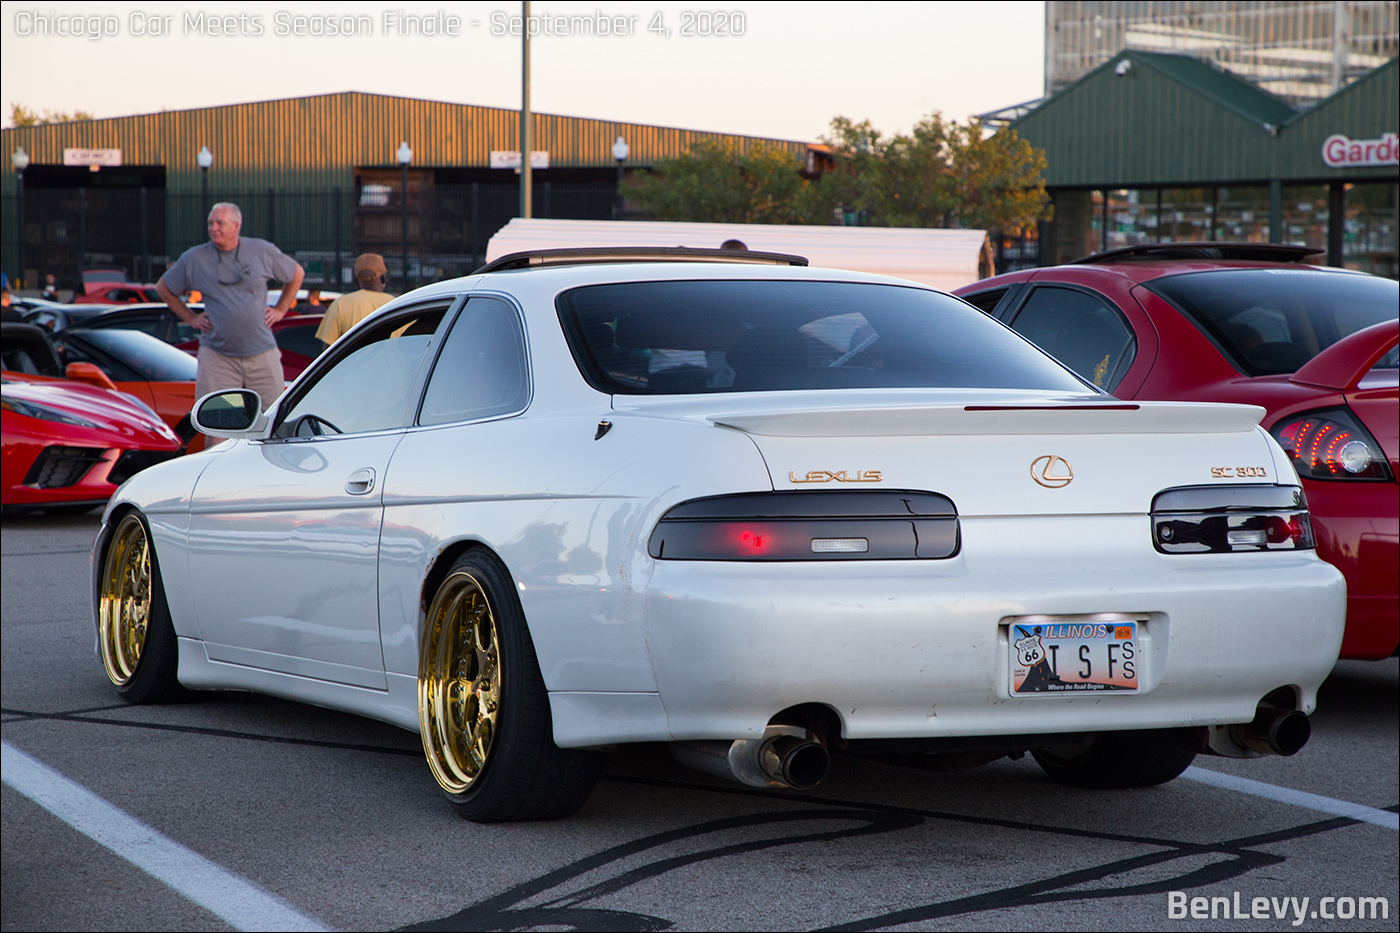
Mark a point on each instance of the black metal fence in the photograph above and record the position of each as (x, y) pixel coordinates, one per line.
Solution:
(439, 232)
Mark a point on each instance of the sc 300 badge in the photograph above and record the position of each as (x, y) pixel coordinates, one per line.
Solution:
(1229, 472)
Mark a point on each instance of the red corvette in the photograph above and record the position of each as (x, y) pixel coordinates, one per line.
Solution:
(1315, 347)
(66, 445)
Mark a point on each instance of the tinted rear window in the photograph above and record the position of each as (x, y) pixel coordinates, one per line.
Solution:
(673, 338)
(1272, 321)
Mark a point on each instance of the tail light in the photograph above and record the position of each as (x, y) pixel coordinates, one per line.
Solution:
(1225, 519)
(886, 525)
(1331, 444)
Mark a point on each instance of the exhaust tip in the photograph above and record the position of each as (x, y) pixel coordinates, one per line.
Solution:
(805, 765)
(1289, 733)
(1274, 732)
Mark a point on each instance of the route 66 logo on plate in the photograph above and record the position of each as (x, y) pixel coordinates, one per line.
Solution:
(1029, 651)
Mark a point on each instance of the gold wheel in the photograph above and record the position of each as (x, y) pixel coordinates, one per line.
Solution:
(459, 682)
(124, 603)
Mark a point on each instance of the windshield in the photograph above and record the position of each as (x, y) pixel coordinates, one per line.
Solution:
(673, 338)
(154, 359)
(1272, 321)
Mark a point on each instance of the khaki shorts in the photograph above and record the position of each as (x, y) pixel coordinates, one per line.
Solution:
(261, 373)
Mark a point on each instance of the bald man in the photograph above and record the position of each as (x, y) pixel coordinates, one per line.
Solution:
(236, 346)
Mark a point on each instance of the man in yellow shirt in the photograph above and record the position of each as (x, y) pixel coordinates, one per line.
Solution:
(348, 310)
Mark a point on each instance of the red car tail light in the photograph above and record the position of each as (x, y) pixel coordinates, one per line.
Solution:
(809, 526)
(1225, 519)
(1330, 444)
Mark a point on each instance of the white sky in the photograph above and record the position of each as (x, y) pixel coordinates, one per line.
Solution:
(795, 67)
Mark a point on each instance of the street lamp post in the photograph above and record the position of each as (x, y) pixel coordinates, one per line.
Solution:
(205, 158)
(619, 154)
(20, 160)
(404, 156)
(527, 121)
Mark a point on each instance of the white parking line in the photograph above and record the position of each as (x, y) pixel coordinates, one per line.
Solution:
(232, 898)
(1297, 798)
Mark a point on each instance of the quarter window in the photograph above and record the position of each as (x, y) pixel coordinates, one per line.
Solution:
(481, 371)
(1079, 330)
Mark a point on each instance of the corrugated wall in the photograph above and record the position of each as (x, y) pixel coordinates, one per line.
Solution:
(307, 143)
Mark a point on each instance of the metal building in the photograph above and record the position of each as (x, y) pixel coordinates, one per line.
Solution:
(1153, 147)
(1299, 50)
(319, 176)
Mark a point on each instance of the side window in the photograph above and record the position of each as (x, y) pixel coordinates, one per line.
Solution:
(986, 301)
(300, 338)
(1079, 330)
(367, 388)
(481, 371)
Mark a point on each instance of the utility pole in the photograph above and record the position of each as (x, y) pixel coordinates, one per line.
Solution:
(526, 124)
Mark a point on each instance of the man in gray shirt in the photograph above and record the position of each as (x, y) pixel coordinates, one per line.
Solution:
(236, 346)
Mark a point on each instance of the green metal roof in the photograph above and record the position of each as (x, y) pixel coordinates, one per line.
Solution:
(1174, 120)
(1216, 84)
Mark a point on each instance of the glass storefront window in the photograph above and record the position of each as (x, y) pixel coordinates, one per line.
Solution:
(1242, 214)
(1132, 217)
(1185, 215)
(1369, 241)
(1233, 214)
(1305, 215)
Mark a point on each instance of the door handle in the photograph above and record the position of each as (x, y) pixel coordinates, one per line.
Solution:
(360, 482)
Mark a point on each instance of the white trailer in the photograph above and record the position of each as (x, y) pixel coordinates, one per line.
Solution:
(945, 259)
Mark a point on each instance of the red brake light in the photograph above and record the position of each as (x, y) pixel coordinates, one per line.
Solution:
(1330, 445)
(751, 541)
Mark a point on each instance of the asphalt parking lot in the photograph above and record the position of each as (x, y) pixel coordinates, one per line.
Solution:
(268, 814)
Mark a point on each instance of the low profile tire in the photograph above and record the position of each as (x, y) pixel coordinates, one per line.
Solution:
(1116, 760)
(135, 636)
(482, 707)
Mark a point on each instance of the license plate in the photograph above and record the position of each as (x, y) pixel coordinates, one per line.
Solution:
(1070, 657)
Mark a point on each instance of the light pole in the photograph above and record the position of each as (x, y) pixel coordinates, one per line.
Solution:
(526, 121)
(619, 152)
(205, 158)
(404, 156)
(20, 160)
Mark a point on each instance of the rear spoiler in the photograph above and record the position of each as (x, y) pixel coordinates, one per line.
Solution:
(1346, 362)
(1109, 418)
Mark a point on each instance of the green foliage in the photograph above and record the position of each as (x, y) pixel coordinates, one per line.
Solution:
(21, 115)
(717, 184)
(942, 174)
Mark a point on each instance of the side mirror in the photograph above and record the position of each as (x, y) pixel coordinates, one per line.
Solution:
(231, 413)
(91, 374)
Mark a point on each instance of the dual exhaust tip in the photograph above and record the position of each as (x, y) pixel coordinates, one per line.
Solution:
(793, 758)
(784, 757)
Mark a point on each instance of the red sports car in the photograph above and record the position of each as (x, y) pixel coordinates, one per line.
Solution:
(68, 446)
(1251, 323)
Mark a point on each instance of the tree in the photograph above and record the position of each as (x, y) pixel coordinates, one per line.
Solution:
(943, 174)
(719, 184)
(21, 115)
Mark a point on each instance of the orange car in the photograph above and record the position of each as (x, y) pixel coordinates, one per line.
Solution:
(154, 372)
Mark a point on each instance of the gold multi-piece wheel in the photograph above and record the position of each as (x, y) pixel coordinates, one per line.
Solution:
(483, 709)
(459, 682)
(124, 601)
(134, 633)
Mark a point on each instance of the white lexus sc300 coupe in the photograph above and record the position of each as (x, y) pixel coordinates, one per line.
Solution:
(758, 511)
